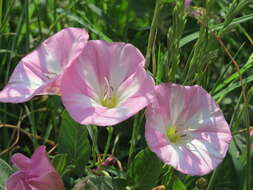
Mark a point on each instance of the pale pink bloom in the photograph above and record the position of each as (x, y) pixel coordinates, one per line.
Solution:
(251, 132)
(186, 129)
(36, 173)
(39, 72)
(107, 84)
(187, 3)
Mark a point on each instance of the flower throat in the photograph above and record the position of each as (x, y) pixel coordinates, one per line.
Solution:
(173, 136)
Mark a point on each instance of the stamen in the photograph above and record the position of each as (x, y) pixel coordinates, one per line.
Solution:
(108, 89)
(109, 100)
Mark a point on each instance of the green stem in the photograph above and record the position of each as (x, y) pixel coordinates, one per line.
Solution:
(137, 120)
(110, 131)
(133, 140)
(152, 33)
(246, 120)
(27, 25)
(93, 132)
(170, 178)
(212, 180)
(1, 11)
(242, 131)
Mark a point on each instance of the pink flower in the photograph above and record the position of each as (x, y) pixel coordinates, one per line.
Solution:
(36, 173)
(107, 84)
(187, 3)
(251, 132)
(40, 71)
(186, 129)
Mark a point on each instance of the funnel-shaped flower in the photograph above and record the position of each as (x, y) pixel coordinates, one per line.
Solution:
(186, 129)
(107, 84)
(39, 72)
(36, 173)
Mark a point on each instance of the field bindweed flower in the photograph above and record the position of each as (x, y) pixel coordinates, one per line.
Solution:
(40, 71)
(187, 3)
(36, 173)
(107, 84)
(186, 129)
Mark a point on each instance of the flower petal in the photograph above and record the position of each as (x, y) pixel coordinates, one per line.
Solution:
(205, 156)
(50, 181)
(21, 161)
(17, 182)
(172, 100)
(158, 143)
(40, 164)
(39, 72)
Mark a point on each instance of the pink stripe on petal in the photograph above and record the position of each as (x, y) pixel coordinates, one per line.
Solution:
(136, 85)
(155, 121)
(155, 139)
(126, 63)
(192, 164)
(39, 72)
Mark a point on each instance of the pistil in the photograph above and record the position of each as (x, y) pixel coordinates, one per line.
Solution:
(173, 136)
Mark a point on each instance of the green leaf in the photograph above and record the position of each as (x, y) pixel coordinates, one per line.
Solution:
(232, 87)
(234, 23)
(178, 184)
(5, 172)
(84, 22)
(168, 1)
(141, 7)
(60, 163)
(115, 172)
(237, 162)
(73, 140)
(100, 183)
(145, 170)
(235, 76)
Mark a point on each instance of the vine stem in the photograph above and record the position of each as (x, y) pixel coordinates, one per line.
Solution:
(3, 125)
(110, 131)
